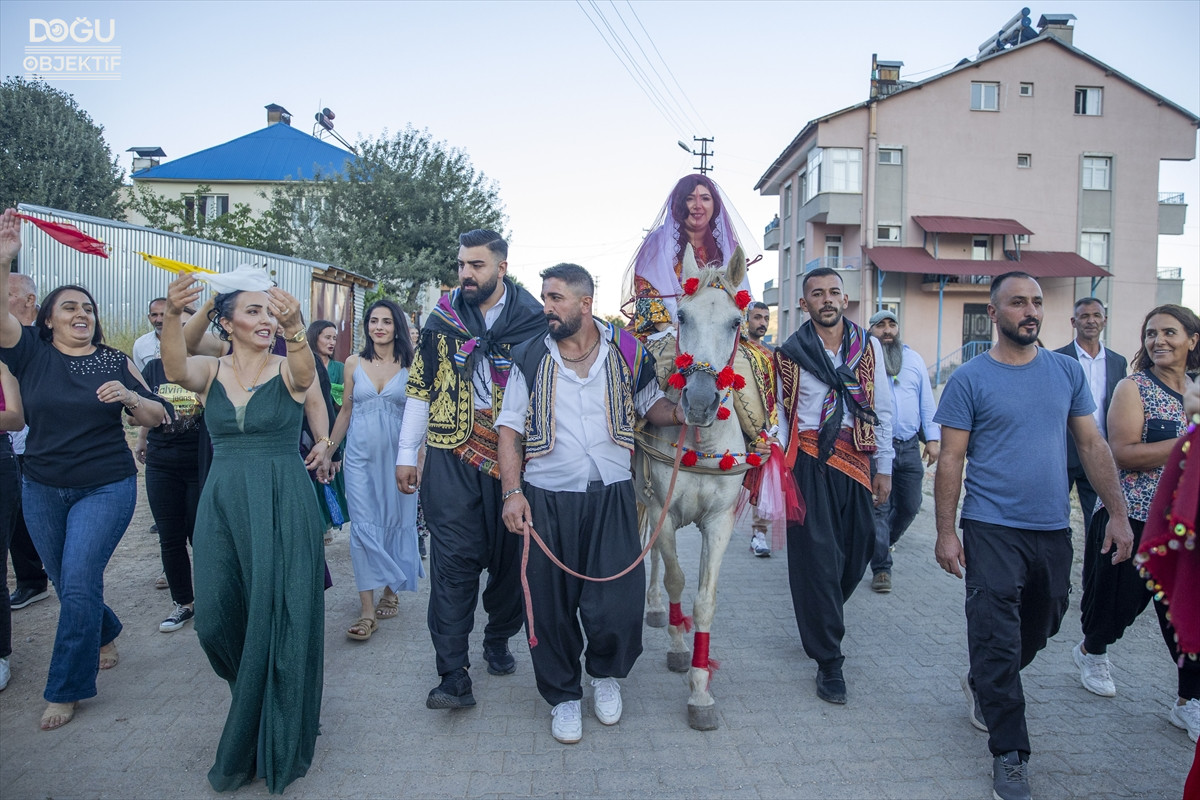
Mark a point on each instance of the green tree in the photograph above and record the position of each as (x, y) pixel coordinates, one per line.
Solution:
(271, 231)
(395, 213)
(52, 154)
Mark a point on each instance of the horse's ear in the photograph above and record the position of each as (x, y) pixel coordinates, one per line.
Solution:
(735, 270)
(689, 268)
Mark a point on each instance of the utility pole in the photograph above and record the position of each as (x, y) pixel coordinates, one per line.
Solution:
(703, 153)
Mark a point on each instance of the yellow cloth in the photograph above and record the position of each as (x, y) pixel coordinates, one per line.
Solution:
(170, 265)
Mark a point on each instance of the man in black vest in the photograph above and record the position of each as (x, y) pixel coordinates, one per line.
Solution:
(1104, 369)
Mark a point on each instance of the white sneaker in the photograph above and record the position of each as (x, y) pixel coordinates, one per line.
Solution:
(567, 722)
(1187, 716)
(759, 546)
(6, 673)
(606, 700)
(1093, 672)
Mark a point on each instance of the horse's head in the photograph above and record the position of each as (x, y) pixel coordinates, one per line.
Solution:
(709, 319)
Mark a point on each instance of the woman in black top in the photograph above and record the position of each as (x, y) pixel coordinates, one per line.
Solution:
(80, 482)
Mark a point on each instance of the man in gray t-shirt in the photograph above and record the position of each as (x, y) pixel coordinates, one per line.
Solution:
(1007, 412)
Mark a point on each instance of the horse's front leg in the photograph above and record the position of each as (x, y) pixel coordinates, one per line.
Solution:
(716, 529)
(656, 611)
(678, 655)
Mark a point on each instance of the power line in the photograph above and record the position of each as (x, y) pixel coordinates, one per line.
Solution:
(645, 82)
(683, 113)
(650, 39)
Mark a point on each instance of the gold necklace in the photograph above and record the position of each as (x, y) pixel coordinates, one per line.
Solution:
(237, 373)
(583, 357)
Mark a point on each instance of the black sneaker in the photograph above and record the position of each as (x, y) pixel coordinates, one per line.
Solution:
(1010, 777)
(26, 596)
(500, 660)
(178, 617)
(453, 692)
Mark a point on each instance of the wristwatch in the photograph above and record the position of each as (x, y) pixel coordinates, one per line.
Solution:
(510, 493)
(298, 337)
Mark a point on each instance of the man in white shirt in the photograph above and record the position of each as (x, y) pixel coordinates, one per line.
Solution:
(578, 494)
(146, 346)
(1103, 369)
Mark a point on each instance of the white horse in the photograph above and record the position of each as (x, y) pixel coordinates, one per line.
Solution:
(708, 329)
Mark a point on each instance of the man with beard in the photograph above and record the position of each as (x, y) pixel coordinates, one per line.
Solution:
(146, 346)
(568, 410)
(912, 413)
(758, 319)
(1005, 411)
(1104, 370)
(838, 414)
(455, 389)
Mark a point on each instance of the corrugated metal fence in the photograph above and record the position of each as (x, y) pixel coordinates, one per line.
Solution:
(125, 283)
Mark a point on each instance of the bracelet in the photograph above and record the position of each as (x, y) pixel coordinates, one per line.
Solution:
(298, 337)
(136, 403)
(510, 493)
(327, 441)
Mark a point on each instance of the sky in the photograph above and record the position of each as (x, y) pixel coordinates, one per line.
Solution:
(542, 105)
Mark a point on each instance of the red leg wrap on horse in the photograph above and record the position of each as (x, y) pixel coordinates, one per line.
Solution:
(677, 618)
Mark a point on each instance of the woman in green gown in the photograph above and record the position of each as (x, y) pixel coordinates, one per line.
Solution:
(257, 550)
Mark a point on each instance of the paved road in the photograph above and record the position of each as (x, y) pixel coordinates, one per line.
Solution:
(152, 730)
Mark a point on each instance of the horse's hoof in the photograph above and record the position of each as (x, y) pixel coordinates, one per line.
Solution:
(679, 662)
(656, 619)
(702, 718)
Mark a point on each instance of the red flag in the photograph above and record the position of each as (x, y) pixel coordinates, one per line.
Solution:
(69, 235)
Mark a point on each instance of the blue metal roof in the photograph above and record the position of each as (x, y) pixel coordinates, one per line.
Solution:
(276, 153)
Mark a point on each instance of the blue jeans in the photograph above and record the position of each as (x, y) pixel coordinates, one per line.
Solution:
(894, 515)
(76, 532)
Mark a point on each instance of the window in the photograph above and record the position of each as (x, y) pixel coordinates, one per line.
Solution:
(1096, 173)
(1026, 90)
(803, 195)
(889, 157)
(1088, 100)
(833, 251)
(211, 206)
(786, 266)
(1024, 160)
(981, 247)
(887, 233)
(815, 157)
(985, 97)
(844, 172)
(1094, 247)
(787, 201)
(1022, 238)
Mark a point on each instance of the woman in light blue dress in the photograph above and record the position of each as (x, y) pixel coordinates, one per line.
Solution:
(383, 527)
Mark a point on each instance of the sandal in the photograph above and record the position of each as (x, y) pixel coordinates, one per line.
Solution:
(387, 607)
(362, 629)
(57, 714)
(108, 660)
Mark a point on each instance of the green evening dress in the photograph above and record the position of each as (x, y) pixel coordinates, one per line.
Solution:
(260, 614)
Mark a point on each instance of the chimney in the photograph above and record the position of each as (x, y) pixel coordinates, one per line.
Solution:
(885, 76)
(277, 113)
(1058, 26)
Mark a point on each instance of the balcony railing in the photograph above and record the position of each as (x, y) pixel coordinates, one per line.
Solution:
(834, 262)
(1171, 198)
(976, 280)
(939, 372)
(1170, 273)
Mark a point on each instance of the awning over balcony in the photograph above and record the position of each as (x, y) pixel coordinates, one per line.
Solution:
(1038, 263)
(980, 225)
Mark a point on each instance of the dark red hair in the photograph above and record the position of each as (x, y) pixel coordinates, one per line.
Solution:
(679, 211)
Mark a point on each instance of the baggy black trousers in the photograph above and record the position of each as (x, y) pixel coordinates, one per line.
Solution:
(827, 555)
(596, 534)
(467, 536)
(1018, 585)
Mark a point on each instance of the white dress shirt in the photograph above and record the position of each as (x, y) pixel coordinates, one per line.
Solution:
(1096, 370)
(416, 412)
(812, 396)
(581, 429)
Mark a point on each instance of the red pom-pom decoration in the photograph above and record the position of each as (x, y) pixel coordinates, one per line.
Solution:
(739, 382)
(753, 459)
(689, 458)
(722, 413)
(691, 285)
(725, 378)
(727, 462)
(742, 299)
(683, 360)
(677, 381)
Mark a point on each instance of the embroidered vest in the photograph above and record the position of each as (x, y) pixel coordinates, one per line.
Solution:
(789, 376)
(434, 378)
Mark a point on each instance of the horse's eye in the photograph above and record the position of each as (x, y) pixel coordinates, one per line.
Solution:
(682, 317)
(737, 322)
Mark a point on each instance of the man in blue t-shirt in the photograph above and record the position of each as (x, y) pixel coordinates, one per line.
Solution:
(1006, 411)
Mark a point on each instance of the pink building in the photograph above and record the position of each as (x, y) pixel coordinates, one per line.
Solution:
(1038, 157)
